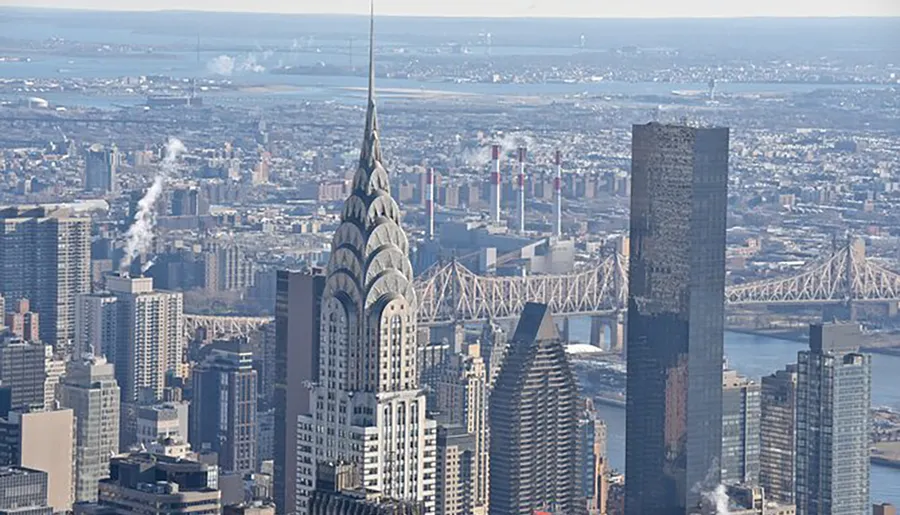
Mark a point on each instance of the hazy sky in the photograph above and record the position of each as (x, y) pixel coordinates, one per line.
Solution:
(539, 8)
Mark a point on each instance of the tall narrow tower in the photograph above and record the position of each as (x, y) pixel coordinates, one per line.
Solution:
(522, 190)
(557, 192)
(495, 184)
(834, 396)
(429, 201)
(676, 315)
(366, 406)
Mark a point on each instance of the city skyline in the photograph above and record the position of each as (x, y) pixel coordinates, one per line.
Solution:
(552, 271)
(503, 9)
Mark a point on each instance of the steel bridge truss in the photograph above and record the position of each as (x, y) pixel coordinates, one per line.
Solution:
(845, 276)
(224, 326)
(450, 292)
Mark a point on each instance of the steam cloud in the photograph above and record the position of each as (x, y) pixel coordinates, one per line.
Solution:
(509, 144)
(140, 234)
(227, 65)
(719, 498)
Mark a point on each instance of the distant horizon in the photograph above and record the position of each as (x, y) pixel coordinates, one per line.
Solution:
(453, 16)
(476, 9)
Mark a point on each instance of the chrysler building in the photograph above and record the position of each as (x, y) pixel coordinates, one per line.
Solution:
(367, 407)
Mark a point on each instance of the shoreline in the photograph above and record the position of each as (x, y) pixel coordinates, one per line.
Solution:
(797, 337)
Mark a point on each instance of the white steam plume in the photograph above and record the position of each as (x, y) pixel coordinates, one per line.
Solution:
(227, 65)
(140, 234)
(509, 144)
(719, 499)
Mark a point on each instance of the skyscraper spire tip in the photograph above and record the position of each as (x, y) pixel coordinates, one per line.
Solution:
(371, 151)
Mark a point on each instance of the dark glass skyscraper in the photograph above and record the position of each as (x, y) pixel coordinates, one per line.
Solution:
(675, 317)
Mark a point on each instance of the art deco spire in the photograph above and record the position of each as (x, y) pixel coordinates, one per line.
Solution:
(370, 250)
(371, 150)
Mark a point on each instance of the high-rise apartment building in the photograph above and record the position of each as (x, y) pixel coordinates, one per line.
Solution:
(22, 369)
(90, 390)
(675, 317)
(156, 484)
(740, 429)
(834, 392)
(227, 268)
(100, 164)
(223, 408)
(23, 491)
(96, 325)
(459, 399)
(366, 405)
(534, 412)
(149, 336)
(298, 304)
(45, 257)
(777, 431)
(42, 440)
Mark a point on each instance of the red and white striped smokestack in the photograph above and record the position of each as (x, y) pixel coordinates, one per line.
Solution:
(521, 190)
(495, 184)
(429, 201)
(557, 190)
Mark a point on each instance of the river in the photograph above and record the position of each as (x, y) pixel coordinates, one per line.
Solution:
(756, 356)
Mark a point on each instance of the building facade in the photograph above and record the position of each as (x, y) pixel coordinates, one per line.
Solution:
(675, 331)
(366, 405)
(100, 166)
(90, 390)
(455, 467)
(45, 257)
(297, 313)
(23, 322)
(43, 440)
(740, 429)
(154, 484)
(223, 410)
(777, 430)
(458, 398)
(96, 325)
(534, 412)
(592, 458)
(834, 393)
(23, 491)
(149, 337)
(22, 369)
(167, 420)
(54, 370)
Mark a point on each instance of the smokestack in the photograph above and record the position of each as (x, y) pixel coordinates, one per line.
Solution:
(557, 189)
(429, 201)
(521, 190)
(495, 184)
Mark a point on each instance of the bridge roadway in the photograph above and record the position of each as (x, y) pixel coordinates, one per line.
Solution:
(450, 292)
